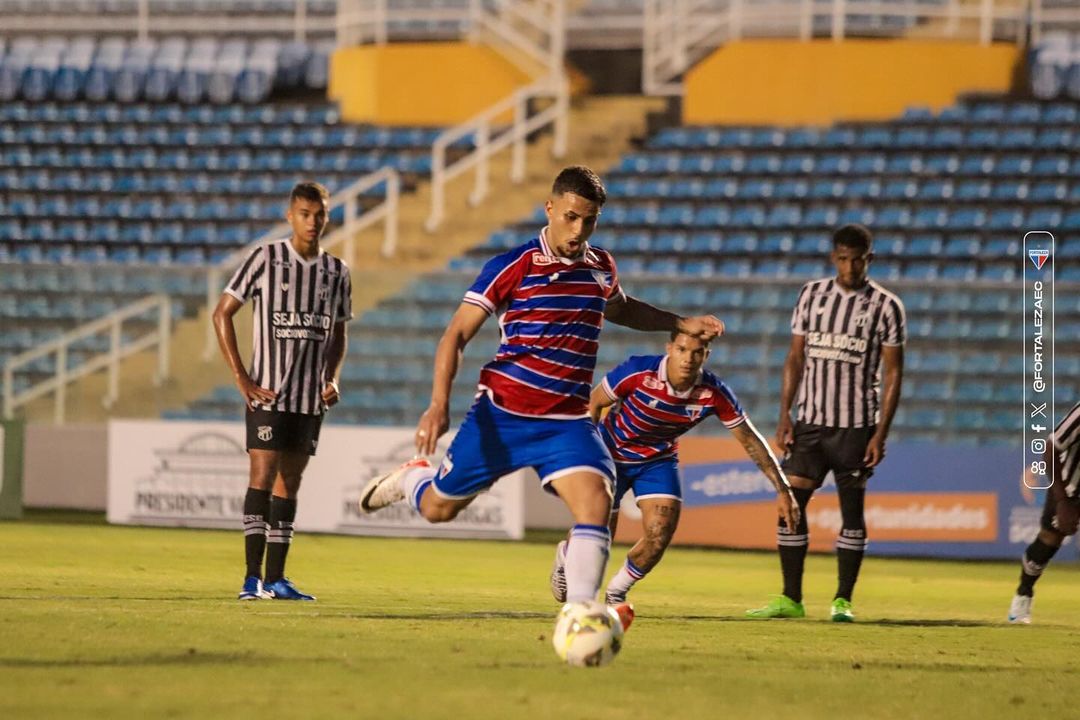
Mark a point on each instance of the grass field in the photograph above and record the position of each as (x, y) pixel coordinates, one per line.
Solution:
(104, 622)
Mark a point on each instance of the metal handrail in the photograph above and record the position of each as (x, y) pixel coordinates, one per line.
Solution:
(677, 33)
(110, 360)
(490, 139)
(547, 19)
(349, 199)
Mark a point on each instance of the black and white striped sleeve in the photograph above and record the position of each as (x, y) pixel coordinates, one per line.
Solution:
(893, 322)
(800, 316)
(343, 312)
(245, 279)
(1067, 433)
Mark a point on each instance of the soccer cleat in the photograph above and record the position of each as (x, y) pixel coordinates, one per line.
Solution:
(613, 599)
(781, 606)
(625, 612)
(841, 611)
(385, 489)
(558, 573)
(1020, 610)
(253, 590)
(283, 589)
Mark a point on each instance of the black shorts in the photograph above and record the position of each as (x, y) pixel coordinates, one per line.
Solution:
(818, 449)
(1050, 510)
(289, 432)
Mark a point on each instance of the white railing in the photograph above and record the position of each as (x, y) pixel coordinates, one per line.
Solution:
(489, 138)
(345, 235)
(533, 35)
(110, 360)
(678, 33)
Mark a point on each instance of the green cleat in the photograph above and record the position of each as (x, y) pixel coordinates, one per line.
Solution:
(841, 611)
(781, 606)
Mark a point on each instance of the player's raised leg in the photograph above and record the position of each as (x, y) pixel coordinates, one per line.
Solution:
(659, 518)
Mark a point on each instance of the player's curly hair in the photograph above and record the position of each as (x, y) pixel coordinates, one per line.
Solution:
(581, 181)
(854, 236)
(309, 190)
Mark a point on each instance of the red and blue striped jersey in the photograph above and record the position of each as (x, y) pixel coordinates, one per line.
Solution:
(650, 415)
(550, 311)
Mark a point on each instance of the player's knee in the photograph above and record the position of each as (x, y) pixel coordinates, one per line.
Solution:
(1053, 538)
(437, 510)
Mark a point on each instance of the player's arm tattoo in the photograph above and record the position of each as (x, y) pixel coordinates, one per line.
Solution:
(759, 451)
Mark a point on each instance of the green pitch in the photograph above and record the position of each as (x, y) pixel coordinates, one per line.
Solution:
(103, 622)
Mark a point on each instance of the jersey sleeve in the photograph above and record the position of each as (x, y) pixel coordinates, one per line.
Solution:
(726, 406)
(615, 292)
(893, 323)
(621, 379)
(498, 279)
(1067, 433)
(245, 280)
(800, 316)
(343, 312)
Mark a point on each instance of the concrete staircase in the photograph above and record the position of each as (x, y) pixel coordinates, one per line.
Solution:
(600, 131)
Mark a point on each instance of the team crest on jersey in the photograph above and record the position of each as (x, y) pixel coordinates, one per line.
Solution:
(862, 320)
(602, 279)
(652, 383)
(324, 293)
(694, 411)
(266, 433)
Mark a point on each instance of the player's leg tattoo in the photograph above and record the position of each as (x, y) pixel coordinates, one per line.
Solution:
(659, 518)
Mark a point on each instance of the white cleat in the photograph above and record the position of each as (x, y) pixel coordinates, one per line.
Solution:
(558, 573)
(385, 489)
(1020, 610)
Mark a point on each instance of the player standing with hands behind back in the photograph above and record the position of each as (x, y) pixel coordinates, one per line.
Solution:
(843, 328)
(302, 299)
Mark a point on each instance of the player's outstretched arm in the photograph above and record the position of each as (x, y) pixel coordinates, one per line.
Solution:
(633, 313)
(762, 455)
(892, 359)
(436, 419)
(598, 400)
(225, 330)
(794, 365)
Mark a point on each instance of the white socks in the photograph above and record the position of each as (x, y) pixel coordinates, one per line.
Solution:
(586, 557)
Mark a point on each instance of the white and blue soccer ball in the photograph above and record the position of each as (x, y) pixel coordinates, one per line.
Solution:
(587, 634)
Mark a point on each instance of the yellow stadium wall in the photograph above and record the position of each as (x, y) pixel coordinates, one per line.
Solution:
(787, 82)
(420, 83)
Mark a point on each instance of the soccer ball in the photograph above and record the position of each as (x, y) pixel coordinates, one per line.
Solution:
(587, 634)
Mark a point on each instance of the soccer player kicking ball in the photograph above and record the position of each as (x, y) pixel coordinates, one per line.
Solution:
(1061, 512)
(657, 398)
(551, 296)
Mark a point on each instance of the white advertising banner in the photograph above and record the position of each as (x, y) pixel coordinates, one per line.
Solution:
(195, 474)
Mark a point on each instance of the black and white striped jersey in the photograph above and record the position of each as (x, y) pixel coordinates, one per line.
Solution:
(844, 331)
(296, 303)
(1067, 444)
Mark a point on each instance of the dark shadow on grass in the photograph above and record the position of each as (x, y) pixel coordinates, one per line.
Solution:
(944, 622)
(181, 658)
(491, 615)
(100, 598)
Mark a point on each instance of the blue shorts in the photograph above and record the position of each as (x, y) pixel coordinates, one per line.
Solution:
(655, 479)
(492, 443)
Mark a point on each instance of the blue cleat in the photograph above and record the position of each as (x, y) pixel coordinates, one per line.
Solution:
(283, 589)
(253, 590)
